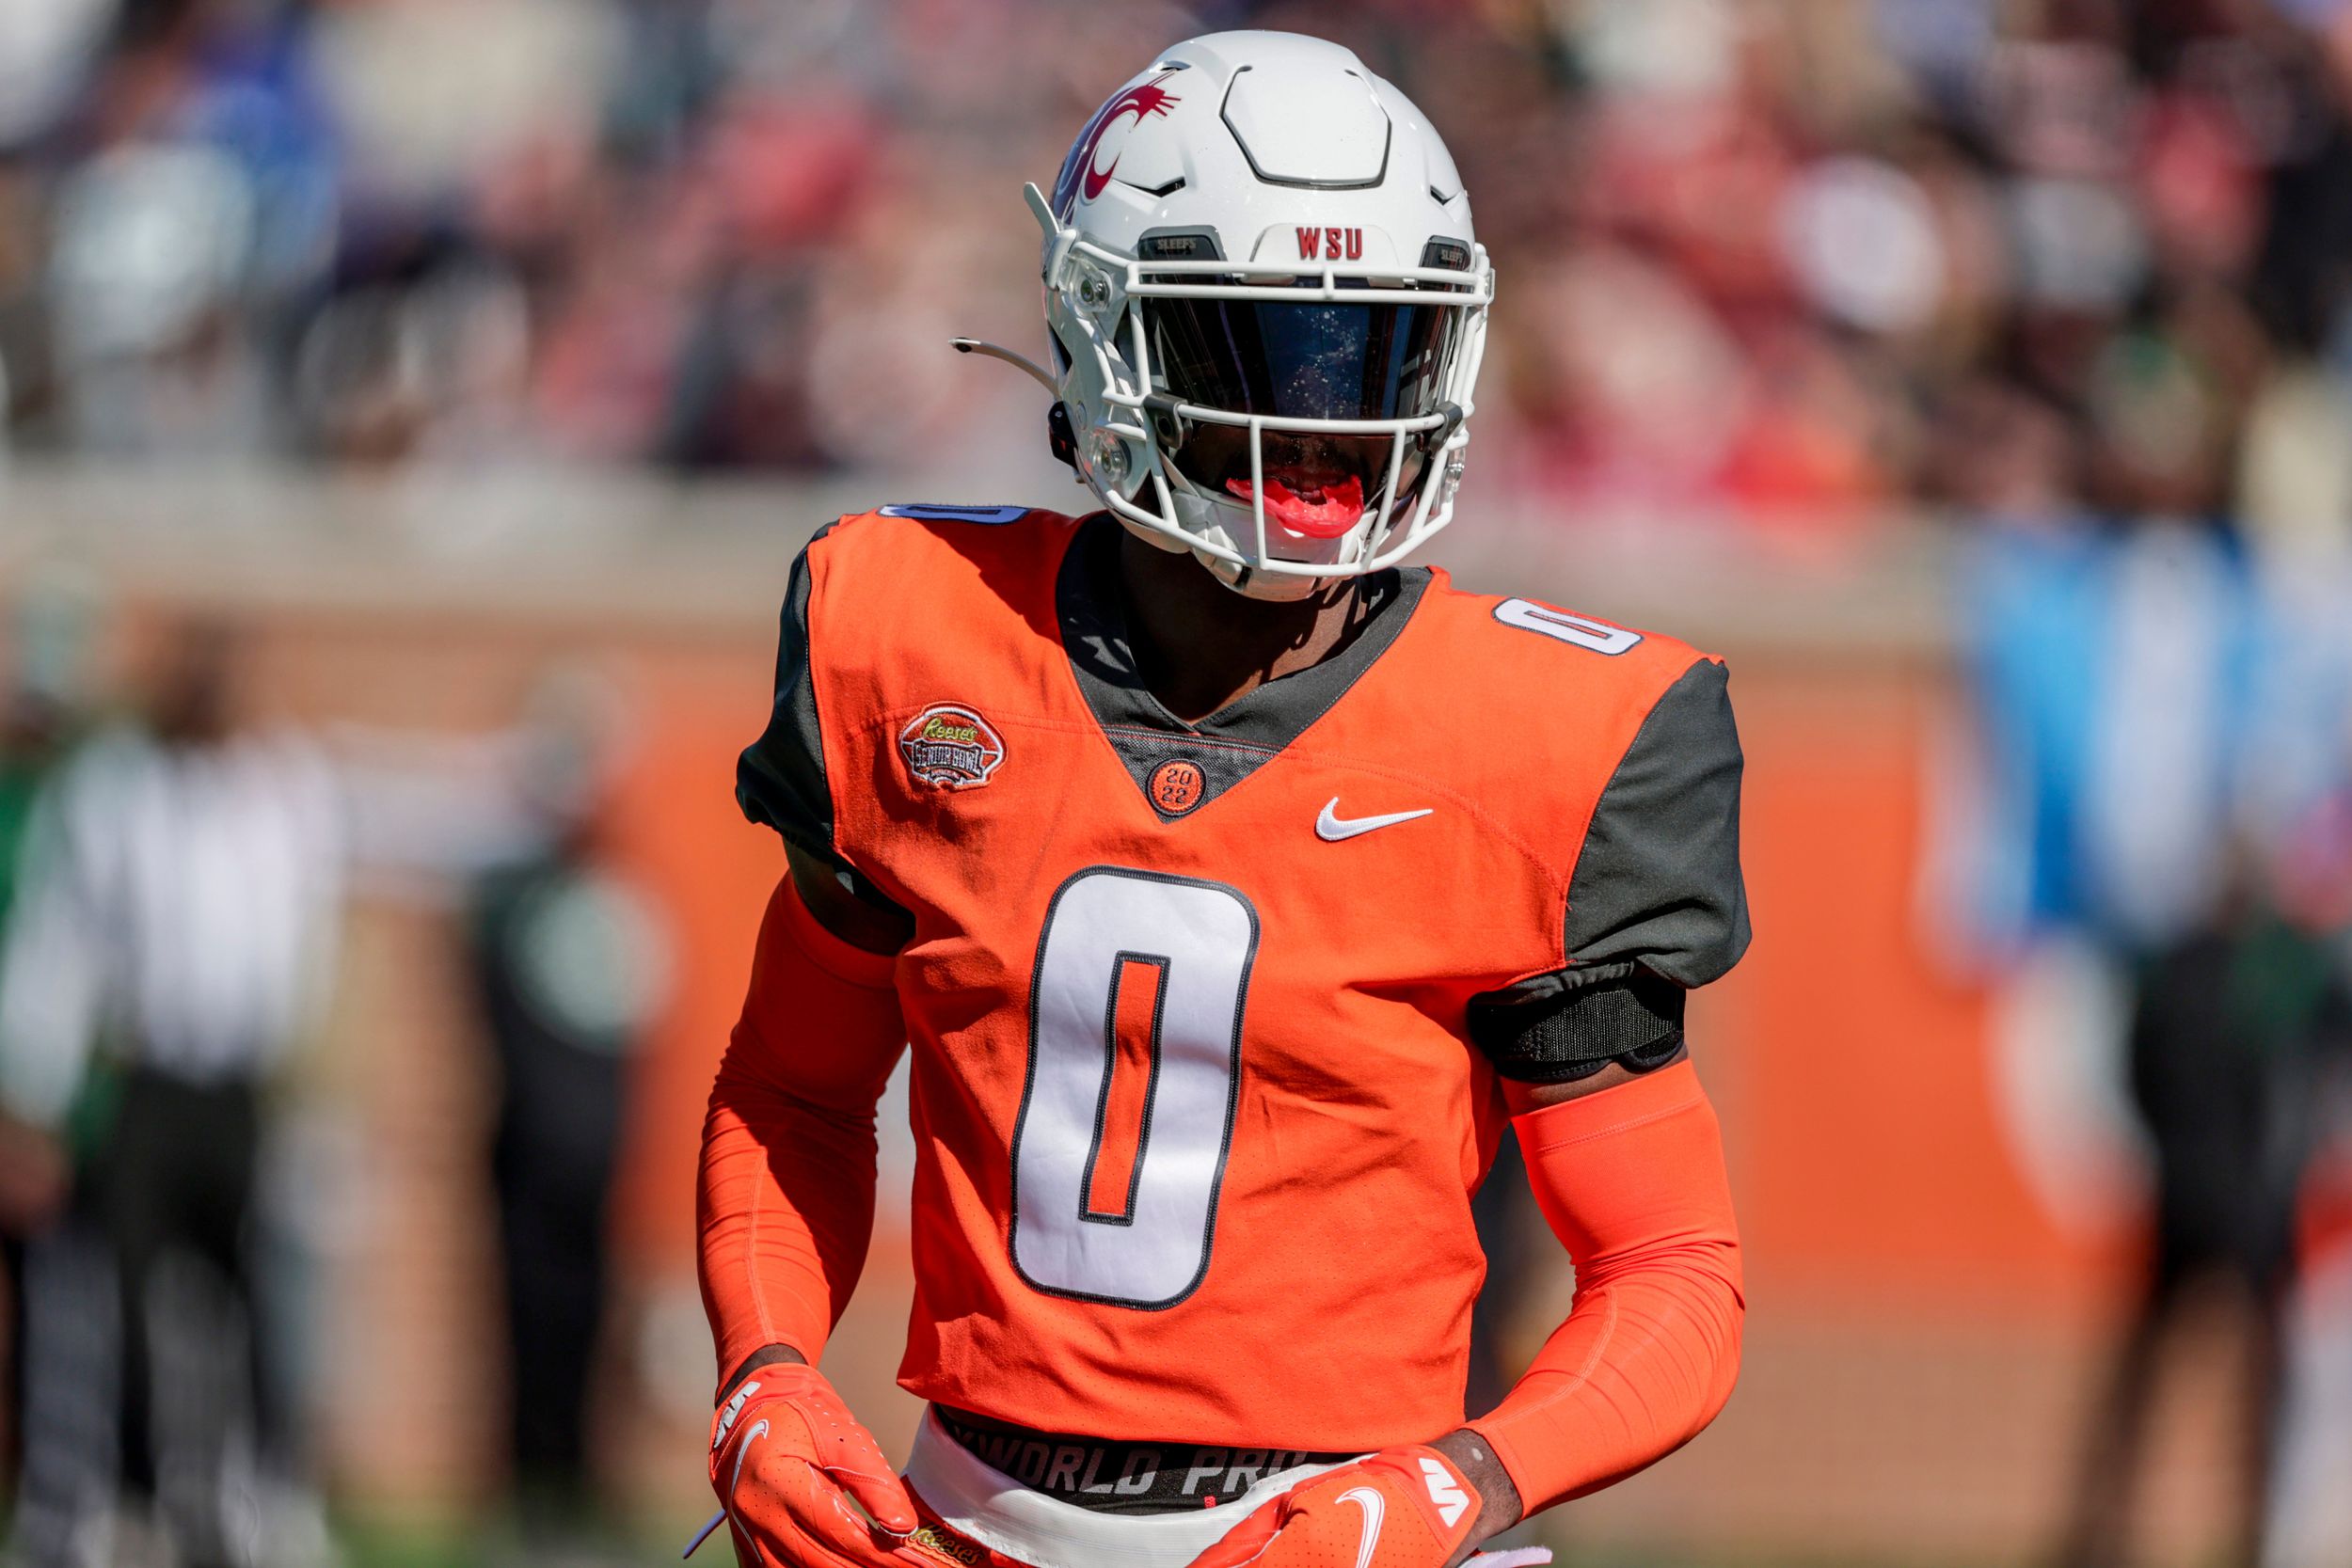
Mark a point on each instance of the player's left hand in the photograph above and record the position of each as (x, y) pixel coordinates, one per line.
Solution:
(1401, 1507)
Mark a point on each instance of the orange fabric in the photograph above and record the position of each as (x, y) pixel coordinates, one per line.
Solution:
(1632, 1181)
(785, 1205)
(786, 1460)
(1408, 1508)
(1331, 1309)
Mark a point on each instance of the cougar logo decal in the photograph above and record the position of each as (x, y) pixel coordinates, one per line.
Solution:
(1087, 169)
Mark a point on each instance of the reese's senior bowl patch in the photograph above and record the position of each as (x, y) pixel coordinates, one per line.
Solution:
(951, 746)
(948, 1544)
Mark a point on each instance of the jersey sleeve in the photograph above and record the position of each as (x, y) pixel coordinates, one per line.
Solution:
(1656, 903)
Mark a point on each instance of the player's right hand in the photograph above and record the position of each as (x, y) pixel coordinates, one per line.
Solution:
(1400, 1507)
(787, 1460)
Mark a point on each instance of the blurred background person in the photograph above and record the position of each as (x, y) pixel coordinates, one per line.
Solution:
(2230, 1031)
(50, 625)
(2154, 731)
(570, 962)
(51, 621)
(177, 921)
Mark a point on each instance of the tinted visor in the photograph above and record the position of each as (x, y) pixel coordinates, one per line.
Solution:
(1314, 361)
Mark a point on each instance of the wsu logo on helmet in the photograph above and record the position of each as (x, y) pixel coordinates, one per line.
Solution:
(951, 747)
(1087, 169)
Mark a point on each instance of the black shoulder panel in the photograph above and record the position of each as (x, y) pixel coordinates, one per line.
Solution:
(780, 779)
(1658, 881)
(1656, 904)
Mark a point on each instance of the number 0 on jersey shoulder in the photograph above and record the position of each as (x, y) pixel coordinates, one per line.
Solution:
(1560, 626)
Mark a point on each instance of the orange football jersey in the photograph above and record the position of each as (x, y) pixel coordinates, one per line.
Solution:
(1197, 1110)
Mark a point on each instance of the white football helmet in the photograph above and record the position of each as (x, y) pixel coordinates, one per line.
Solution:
(1267, 311)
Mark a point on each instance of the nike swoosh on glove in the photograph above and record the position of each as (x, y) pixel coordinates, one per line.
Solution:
(786, 1459)
(1401, 1507)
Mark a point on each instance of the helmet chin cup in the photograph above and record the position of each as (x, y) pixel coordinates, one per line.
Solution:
(1279, 587)
(1251, 583)
(1227, 173)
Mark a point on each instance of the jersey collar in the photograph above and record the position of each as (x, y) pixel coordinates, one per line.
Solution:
(1232, 743)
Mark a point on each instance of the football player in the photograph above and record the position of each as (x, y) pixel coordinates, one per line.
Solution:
(1233, 885)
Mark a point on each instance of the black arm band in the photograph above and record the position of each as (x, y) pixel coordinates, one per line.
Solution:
(1567, 1034)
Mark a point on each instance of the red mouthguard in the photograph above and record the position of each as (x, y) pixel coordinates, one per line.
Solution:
(1334, 509)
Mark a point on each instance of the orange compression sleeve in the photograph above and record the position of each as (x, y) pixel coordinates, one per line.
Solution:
(785, 1205)
(1632, 1181)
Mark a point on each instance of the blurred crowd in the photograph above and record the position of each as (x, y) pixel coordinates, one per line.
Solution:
(1805, 265)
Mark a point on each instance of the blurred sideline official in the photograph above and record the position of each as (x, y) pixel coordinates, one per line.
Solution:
(176, 924)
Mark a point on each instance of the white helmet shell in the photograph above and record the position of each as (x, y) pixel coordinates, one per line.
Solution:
(1254, 169)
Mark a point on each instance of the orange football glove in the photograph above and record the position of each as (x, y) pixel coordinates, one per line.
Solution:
(787, 1459)
(1402, 1507)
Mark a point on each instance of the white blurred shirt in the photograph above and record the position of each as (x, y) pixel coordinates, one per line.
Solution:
(181, 902)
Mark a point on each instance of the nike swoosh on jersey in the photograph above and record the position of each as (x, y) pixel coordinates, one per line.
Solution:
(1331, 827)
(1375, 1511)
